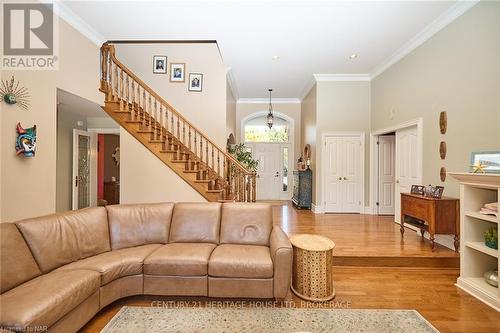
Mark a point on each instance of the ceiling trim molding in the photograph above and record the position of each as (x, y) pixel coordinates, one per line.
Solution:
(76, 22)
(455, 11)
(266, 101)
(232, 83)
(341, 77)
(310, 84)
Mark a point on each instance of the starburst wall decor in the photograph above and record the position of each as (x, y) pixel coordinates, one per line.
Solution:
(12, 93)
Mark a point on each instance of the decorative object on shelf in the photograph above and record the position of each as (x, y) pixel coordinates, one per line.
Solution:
(177, 72)
(433, 191)
(26, 141)
(491, 277)
(230, 142)
(244, 155)
(12, 93)
(300, 164)
(491, 238)
(443, 122)
(195, 82)
(485, 162)
(116, 156)
(417, 189)
(159, 64)
(270, 117)
(442, 150)
(490, 209)
(442, 174)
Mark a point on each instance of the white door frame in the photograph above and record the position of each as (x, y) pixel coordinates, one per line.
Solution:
(93, 159)
(374, 155)
(291, 146)
(361, 184)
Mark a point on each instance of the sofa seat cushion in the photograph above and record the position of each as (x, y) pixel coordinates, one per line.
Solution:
(115, 264)
(179, 259)
(240, 261)
(47, 298)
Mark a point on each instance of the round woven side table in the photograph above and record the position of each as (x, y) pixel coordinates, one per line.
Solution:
(312, 267)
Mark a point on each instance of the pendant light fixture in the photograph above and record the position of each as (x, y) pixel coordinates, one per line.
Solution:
(270, 117)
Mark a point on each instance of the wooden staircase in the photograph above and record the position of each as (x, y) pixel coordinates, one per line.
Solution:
(209, 169)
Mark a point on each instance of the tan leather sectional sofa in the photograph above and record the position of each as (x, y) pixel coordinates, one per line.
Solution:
(58, 271)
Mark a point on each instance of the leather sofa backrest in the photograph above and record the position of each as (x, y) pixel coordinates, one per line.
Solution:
(58, 239)
(17, 265)
(248, 224)
(196, 223)
(139, 224)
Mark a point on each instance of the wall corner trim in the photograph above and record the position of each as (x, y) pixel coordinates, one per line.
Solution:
(232, 83)
(316, 209)
(454, 12)
(64, 12)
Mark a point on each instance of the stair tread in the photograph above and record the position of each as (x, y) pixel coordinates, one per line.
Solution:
(133, 121)
(203, 181)
(168, 151)
(214, 191)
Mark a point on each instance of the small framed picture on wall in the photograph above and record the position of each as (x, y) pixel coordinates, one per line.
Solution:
(177, 72)
(195, 82)
(160, 64)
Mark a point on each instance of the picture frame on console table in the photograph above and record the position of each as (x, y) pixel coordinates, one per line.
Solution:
(488, 161)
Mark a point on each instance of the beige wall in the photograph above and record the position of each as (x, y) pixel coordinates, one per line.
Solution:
(458, 71)
(308, 130)
(342, 106)
(291, 110)
(28, 185)
(144, 178)
(206, 109)
(230, 112)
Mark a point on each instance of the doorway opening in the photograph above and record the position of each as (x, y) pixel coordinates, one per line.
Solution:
(273, 148)
(396, 164)
(79, 124)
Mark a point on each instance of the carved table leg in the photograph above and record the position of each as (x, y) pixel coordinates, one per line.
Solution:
(402, 225)
(422, 233)
(456, 242)
(432, 241)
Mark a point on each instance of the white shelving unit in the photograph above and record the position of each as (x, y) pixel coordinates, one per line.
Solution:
(475, 257)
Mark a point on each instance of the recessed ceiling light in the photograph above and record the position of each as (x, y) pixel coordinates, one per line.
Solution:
(276, 57)
(353, 56)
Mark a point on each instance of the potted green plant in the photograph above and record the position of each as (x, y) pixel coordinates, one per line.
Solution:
(491, 238)
(244, 156)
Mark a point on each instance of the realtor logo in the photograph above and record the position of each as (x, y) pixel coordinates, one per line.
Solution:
(28, 36)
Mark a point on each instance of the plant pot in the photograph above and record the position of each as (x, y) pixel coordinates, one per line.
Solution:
(491, 243)
(491, 277)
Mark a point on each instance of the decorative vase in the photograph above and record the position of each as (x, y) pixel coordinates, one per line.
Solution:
(491, 243)
(491, 277)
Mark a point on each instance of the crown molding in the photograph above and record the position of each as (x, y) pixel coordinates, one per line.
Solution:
(266, 101)
(455, 11)
(232, 83)
(341, 77)
(310, 84)
(63, 11)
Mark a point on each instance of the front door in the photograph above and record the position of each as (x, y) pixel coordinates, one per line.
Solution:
(386, 174)
(406, 165)
(81, 169)
(269, 171)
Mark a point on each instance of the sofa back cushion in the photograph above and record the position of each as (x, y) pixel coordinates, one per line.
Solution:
(17, 265)
(139, 224)
(195, 223)
(246, 223)
(59, 239)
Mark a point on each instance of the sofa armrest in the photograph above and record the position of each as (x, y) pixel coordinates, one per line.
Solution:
(282, 256)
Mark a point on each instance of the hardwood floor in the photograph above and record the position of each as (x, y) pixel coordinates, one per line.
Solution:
(431, 291)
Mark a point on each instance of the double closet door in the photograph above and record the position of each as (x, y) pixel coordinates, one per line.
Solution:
(342, 178)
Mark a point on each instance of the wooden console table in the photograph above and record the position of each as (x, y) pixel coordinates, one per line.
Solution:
(436, 216)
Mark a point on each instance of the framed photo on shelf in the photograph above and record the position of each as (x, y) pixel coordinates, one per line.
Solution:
(417, 189)
(195, 82)
(485, 161)
(159, 64)
(437, 192)
(177, 72)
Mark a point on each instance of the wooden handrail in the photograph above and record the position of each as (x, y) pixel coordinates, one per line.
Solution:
(134, 96)
(163, 101)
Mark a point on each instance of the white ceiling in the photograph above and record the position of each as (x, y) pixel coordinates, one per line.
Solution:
(310, 37)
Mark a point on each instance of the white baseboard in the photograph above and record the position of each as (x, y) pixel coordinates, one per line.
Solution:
(316, 209)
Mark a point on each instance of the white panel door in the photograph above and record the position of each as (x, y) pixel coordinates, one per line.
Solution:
(406, 164)
(351, 174)
(268, 172)
(386, 174)
(332, 169)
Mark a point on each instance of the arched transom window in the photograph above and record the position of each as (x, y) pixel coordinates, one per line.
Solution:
(256, 130)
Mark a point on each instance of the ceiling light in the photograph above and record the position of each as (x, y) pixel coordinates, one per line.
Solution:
(270, 117)
(276, 57)
(353, 56)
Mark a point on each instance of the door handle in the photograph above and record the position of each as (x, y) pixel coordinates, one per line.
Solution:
(345, 178)
(340, 178)
(277, 174)
(397, 181)
(76, 181)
